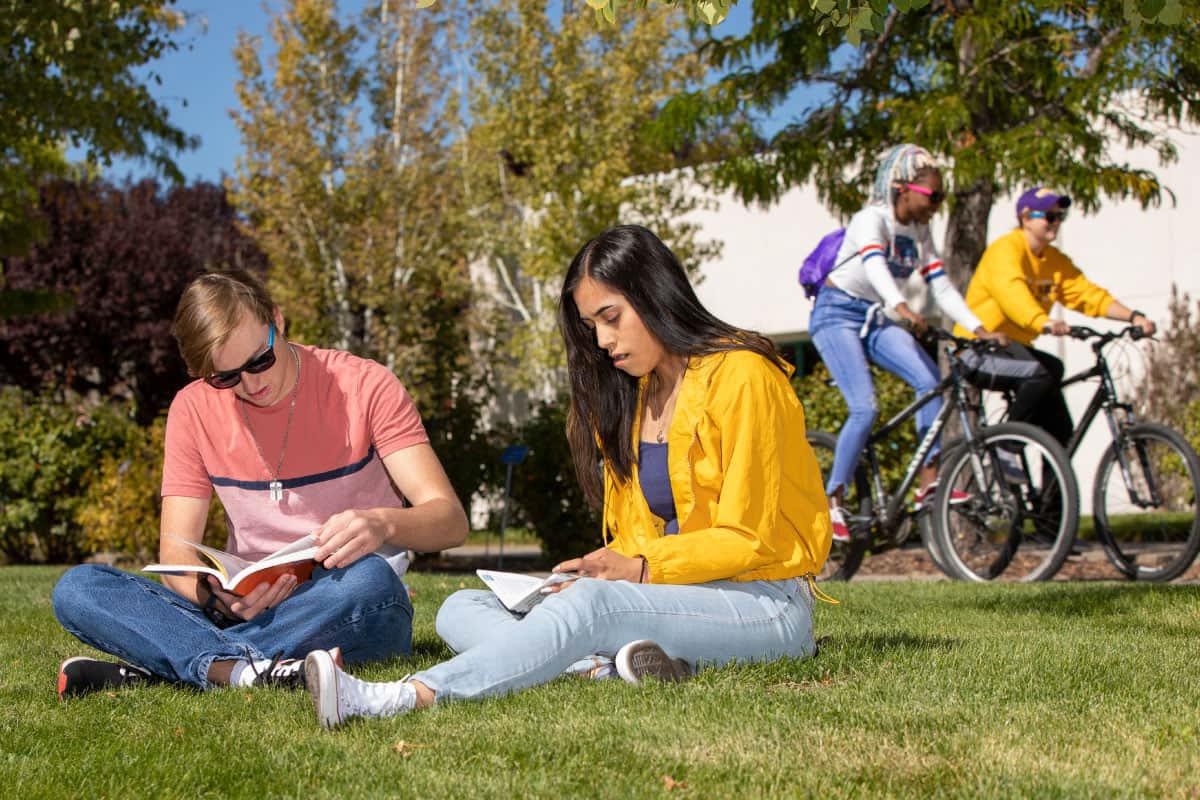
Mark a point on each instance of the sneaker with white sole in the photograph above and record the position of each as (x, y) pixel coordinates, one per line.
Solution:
(841, 533)
(338, 697)
(923, 496)
(82, 675)
(645, 659)
(287, 673)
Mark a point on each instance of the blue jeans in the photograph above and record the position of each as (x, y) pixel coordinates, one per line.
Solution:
(837, 329)
(708, 623)
(363, 609)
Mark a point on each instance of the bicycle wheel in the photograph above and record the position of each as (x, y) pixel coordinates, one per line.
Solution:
(925, 524)
(1147, 522)
(1023, 511)
(844, 557)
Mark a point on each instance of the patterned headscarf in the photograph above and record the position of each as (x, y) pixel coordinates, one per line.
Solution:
(900, 164)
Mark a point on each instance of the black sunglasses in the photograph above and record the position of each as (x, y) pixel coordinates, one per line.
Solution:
(260, 363)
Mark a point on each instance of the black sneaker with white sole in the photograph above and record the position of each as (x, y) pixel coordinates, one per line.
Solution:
(81, 675)
(645, 659)
(288, 673)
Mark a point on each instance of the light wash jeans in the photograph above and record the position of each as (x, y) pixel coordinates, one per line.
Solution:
(363, 608)
(704, 624)
(845, 338)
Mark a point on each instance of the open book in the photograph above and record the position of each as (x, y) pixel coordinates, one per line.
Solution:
(518, 592)
(240, 576)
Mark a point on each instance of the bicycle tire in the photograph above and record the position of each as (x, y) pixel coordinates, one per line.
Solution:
(1149, 546)
(981, 539)
(844, 557)
(925, 525)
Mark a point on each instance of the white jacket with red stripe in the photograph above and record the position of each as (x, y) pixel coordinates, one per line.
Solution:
(878, 250)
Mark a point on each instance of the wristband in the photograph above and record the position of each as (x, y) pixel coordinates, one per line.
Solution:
(645, 574)
(215, 615)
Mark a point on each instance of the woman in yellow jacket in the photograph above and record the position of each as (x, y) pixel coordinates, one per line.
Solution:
(1020, 277)
(714, 515)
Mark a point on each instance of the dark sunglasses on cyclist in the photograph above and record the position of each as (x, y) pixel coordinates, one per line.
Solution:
(935, 197)
(1050, 216)
(260, 363)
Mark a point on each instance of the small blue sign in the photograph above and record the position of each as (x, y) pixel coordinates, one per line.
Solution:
(514, 454)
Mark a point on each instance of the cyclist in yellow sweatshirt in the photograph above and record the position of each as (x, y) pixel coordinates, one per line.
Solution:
(1020, 277)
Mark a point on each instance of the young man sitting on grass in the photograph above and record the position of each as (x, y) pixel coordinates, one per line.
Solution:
(295, 440)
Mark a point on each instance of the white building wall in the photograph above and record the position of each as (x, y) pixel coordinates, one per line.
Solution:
(1137, 255)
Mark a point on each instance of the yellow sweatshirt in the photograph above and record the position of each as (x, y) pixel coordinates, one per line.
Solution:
(1012, 289)
(748, 492)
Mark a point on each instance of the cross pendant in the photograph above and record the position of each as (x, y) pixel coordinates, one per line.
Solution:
(276, 490)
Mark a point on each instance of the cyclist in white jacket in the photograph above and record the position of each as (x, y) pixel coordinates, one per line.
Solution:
(886, 241)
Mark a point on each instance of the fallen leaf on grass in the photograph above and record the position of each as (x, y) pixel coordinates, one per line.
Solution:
(179, 733)
(110, 694)
(671, 784)
(406, 749)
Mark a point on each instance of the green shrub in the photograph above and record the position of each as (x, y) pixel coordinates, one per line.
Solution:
(51, 450)
(121, 509)
(825, 410)
(545, 492)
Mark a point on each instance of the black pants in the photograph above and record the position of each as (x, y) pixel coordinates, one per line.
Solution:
(1035, 377)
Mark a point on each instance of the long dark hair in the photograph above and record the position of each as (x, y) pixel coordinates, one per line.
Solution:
(633, 261)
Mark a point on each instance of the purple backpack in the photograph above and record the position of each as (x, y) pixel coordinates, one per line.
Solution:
(820, 262)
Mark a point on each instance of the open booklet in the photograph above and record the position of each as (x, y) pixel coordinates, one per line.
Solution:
(240, 576)
(518, 592)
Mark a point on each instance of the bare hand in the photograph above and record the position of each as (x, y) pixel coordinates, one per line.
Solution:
(992, 336)
(914, 320)
(1056, 327)
(606, 564)
(259, 599)
(348, 536)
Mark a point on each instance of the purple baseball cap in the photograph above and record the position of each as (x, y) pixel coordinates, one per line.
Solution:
(1039, 198)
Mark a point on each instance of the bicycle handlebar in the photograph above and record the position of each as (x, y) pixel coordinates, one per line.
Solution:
(1083, 332)
(960, 344)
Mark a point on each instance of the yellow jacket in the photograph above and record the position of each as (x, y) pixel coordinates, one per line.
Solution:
(1012, 289)
(747, 488)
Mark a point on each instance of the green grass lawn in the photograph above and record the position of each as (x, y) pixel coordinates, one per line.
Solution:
(920, 690)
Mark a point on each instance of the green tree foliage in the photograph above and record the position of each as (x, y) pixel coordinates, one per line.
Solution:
(353, 192)
(1005, 93)
(50, 450)
(70, 74)
(558, 109)
(545, 492)
(122, 503)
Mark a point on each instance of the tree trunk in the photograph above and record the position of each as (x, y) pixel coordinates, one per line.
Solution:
(967, 229)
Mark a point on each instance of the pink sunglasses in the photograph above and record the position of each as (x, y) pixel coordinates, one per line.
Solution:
(934, 197)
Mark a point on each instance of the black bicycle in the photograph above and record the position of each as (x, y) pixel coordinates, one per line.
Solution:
(1010, 473)
(1146, 485)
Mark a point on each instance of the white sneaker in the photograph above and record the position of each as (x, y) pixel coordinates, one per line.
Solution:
(338, 697)
(645, 659)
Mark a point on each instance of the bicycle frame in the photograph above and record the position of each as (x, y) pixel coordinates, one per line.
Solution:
(1106, 399)
(889, 508)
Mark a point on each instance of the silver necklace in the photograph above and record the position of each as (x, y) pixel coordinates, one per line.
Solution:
(663, 417)
(275, 487)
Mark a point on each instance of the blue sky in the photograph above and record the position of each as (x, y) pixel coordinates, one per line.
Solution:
(198, 81)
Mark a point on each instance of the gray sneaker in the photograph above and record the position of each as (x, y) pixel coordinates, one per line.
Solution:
(337, 697)
(645, 659)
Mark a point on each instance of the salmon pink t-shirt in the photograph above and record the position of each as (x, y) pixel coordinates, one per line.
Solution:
(350, 414)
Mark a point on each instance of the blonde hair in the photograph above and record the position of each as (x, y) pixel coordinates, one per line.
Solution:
(209, 310)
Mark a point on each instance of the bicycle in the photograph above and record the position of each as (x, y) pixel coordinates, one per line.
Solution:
(1146, 486)
(879, 520)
